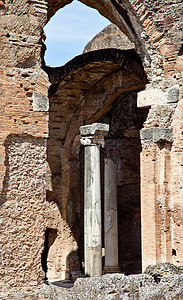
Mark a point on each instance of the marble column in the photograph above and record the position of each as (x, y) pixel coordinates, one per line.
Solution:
(110, 218)
(92, 137)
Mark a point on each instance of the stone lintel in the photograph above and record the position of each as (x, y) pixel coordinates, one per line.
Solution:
(93, 134)
(155, 96)
(150, 96)
(156, 134)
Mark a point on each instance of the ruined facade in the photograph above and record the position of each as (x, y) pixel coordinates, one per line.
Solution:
(134, 84)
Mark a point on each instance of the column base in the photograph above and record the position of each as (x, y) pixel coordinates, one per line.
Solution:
(111, 269)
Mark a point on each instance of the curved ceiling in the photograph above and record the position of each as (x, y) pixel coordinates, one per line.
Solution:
(84, 88)
(126, 59)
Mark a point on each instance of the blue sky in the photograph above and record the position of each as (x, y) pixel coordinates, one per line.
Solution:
(69, 30)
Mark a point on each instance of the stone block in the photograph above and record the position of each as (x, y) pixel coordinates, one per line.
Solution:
(156, 96)
(162, 134)
(151, 96)
(40, 102)
(94, 129)
(146, 135)
(173, 94)
(156, 134)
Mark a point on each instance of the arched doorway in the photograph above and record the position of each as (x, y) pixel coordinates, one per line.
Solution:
(96, 86)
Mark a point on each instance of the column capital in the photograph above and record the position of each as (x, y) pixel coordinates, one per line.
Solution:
(93, 134)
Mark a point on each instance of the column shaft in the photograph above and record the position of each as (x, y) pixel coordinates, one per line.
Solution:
(92, 137)
(110, 218)
(92, 212)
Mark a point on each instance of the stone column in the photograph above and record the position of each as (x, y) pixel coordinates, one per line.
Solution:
(92, 137)
(156, 223)
(110, 218)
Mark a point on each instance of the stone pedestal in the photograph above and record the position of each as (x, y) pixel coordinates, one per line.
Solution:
(92, 137)
(110, 218)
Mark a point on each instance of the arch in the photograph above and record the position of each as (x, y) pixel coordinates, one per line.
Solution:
(82, 92)
(119, 13)
(137, 19)
(126, 59)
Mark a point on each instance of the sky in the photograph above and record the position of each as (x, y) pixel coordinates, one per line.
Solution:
(69, 30)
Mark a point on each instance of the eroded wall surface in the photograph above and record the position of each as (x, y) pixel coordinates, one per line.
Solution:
(23, 123)
(22, 213)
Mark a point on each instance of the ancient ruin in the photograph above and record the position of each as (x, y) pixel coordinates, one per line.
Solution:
(124, 90)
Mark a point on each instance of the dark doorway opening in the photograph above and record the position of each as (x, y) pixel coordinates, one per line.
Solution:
(50, 236)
